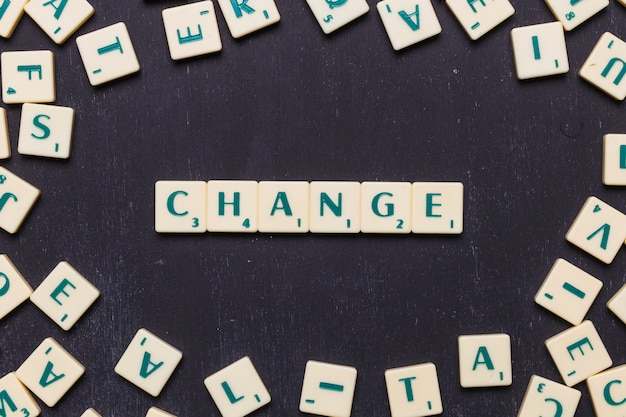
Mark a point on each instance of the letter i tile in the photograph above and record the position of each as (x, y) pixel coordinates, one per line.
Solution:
(608, 392)
(148, 362)
(605, 67)
(414, 391)
(237, 389)
(328, 389)
(49, 372)
(539, 50)
(334, 14)
(17, 197)
(16, 399)
(578, 353)
(548, 398)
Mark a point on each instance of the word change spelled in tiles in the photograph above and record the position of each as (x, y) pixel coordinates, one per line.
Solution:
(16, 399)
(246, 16)
(157, 412)
(237, 390)
(180, 206)
(5, 145)
(148, 362)
(545, 397)
(480, 16)
(485, 360)
(578, 353)
(413, 391)
(608, 393)
(606, 66)
(614, 160)
(191, 30)
(10, 13)
(568, 291)
(90, 412)
(333, 14)
(59, 18)
(617, 304)
(408, 22)
(599, 230)
(107, 54)
(539, 50)
(14, 289)
(572, 13)
(335, 207)
(437, 207)
(28, 76)
(284, 206)
(328, 389)
(232, 206)
(64, 295)
(386, 207)
(17, 197)
(50, 371)
(46, 130)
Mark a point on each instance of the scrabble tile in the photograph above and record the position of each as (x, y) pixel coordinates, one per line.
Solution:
(148, 362)
(485, 360)
(328, 389)
(191, 30)
(546, 397)
(283, 206)
(606, 66)
(180, 206)
(477, 17)
(539, 50)
(617, 304)
(64, 295)
(28, 76)
(107, 54)
(599, 230)
(386, 207)
(90, 413)
(237, 389)
(413, 391)
(333, 14)
(614, 159)
(14, 289)
(335, 207)
(59, 18)
(17, 197)
(15, 398)
(11, 12)
(572, 13)
(568, 291)
(246, 16)
(578, 353)
(622, 2)
(437, 207)
(232, 206)
(607, 392)
(156, 412)
(5, 145)
(49, 372)
(46, 130)
(408, 22)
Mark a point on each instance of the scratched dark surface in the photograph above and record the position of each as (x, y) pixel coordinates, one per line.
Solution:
(290, 103)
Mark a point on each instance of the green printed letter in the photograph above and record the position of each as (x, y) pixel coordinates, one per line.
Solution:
(59, 8)
(579, 345)
(413, 24)
(222, 203)
(61, 290)
(409, 389)
(170, 203)
(241, 7)
(482, 351)
(607, 394)
(430, 204)
(5, 398)
(147, 367)
(326, 200)
(605, 229)
(281, 197)
(45, 130)
(389, 206)
(47, 373)
(5, 287)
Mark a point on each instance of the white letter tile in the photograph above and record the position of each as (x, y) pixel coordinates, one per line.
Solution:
(49, 372)
(328, 389)
(148, 362)
(180, 206)
(107, 54)
(283, 206)
(477, 17)
(191, 30)
(46, 130)
(386, 207)
(28, 76)
(14, 289)
(237, 389)
(246, 16)
(606, 66)
(578, 353)
(608, 392)
(599, 230)
(408, 22)
(333, 14)
(614, 160)
(17, 197)
(59, 19)
(5, 144)
(539, 50)
(335, 207)
(617, 304)
(485, 360)
(414, 391)
(65, 295)
(232, 206)
(156, 412)
(16, 399)
(10, 13)
(90, 412)
(437, 207)
(547, 398)
(572, 13)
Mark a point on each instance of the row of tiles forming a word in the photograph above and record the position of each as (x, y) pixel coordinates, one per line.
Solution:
(300, 207)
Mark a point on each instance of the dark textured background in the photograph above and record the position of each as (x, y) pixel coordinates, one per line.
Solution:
(291, 103)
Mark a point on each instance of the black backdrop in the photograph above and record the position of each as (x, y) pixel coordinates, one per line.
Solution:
(290, 103)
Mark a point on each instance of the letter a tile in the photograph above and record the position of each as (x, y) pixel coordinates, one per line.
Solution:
(485, 360)
(58, 18)
(148, 362)
(599, 230)
(408, 22)
(328, 389)
(606, 66)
